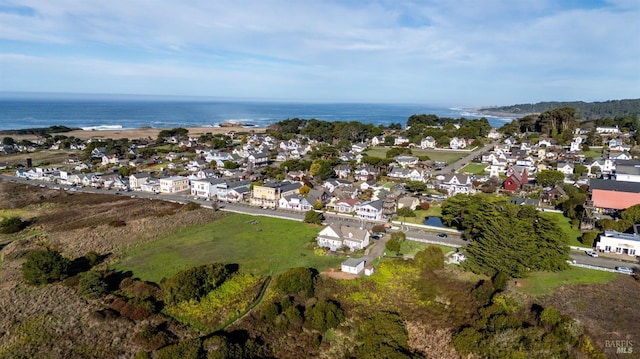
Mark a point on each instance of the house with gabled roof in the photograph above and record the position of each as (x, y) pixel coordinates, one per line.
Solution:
(137, 179)
(428, 142)
(406, 161)
(516, 178)
(370, 210)
(456, 183)
(336, 236)
(346, 205)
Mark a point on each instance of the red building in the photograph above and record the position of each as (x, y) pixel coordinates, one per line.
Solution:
(515, 179)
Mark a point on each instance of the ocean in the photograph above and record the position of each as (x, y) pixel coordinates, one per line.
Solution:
(100, 114)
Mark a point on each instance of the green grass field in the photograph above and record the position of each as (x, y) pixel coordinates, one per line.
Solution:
(565, 224)
(474, 168)
(269, 246)
(541, 283)
(433, 211)
(413, 247)
(595, 153)
(440, 156)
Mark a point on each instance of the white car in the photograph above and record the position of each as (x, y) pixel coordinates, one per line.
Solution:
(593, 254)
(625, 270)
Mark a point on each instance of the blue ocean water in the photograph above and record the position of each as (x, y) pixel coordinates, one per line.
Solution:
(126, 114)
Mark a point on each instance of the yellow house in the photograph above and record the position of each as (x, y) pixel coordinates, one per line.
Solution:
(174, 184)
(269, 194)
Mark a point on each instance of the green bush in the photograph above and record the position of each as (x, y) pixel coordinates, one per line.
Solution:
(92, 285)
(589, 238)
(11, 225)
(44, 267)
(429, 258)
(313, 217)
(186, 349)
(296, 280)
(191, 206)
(324, 315)
(194, 283)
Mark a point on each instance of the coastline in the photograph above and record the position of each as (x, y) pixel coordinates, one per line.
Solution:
(143, 133)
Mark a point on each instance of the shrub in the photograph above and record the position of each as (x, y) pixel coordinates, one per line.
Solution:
(93, 258)
(11, 225)
(186, 349)
(152, 337)
(296, 280)
(191, 206)
(194, 283)
(324, 315)
(589, 238)
(379, 228)
(425, 206)
(44, 267)
(429, 258)
(92, 285)
(313, 217)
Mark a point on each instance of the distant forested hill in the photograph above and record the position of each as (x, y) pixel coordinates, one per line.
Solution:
(586, 110)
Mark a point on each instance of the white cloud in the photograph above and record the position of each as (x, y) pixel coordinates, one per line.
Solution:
(370, 50)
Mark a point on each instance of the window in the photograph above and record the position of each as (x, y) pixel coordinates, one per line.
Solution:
(618, 250)
(607, 248)
(632, 252)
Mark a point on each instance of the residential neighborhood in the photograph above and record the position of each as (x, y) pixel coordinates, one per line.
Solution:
(271, 171)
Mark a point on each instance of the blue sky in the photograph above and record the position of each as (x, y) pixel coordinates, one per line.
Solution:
(453, 53)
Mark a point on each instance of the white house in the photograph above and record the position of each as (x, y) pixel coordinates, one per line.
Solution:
(353, 265)
(370, 210)
(607, 130)
(428, 142)
(337, 236)
(456, 143)
(400, 140)
(565, 167)
(619, 243)
(457, 183)
(575, 144)
(406, 161)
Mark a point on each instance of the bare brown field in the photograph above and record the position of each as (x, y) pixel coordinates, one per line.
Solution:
(609, 311)
(54, 319)
(144, 132)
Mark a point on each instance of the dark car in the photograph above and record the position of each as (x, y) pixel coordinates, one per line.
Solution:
(442, 235)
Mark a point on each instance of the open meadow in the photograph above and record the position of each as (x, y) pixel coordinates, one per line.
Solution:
(448, 156)
(259, 245)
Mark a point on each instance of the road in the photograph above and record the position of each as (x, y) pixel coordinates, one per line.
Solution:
(463, 161)
(375, 251)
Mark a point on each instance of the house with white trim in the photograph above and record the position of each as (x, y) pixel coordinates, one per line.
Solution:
(174, 184)
(336, 236)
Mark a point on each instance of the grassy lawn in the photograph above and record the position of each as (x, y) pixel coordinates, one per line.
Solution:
(433, 211)
(413, 247)
(541, 283)
(595, 153)
(440, 156)
(565, 224)
(474, 168)
(269, 246)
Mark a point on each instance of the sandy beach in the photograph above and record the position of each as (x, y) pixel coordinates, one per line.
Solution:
(144, 132)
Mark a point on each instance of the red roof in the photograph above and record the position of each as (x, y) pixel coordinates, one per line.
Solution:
(614, 199)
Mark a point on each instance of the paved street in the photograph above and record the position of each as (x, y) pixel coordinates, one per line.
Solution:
(373, 252)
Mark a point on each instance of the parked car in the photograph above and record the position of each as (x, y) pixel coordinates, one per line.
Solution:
(625, 270)
(376, 237)
(442, 235)
(593, 254)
